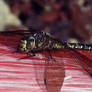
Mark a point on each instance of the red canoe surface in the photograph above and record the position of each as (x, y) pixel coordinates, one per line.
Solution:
(38, 74)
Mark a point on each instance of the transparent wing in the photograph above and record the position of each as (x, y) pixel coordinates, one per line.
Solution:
(54, 73)
(82, 59)
(19, 32)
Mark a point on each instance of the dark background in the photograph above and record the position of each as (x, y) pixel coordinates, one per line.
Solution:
(67, 20)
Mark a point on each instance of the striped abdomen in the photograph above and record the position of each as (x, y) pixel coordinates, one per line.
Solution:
(72, 45)
(79, 46)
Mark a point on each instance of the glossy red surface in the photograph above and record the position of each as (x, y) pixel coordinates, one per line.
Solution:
(27, 75)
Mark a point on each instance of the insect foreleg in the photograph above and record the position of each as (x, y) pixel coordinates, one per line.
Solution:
(50, 56)
(28, 56)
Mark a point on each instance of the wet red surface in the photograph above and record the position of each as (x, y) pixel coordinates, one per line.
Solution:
(28, 75)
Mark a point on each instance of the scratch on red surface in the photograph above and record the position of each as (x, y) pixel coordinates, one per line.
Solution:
(28, 75)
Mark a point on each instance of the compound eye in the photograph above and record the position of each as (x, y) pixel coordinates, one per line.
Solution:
(31, 40)
(39, 35)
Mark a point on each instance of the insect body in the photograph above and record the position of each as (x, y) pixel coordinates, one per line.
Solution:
(42, 41)
(39, 41)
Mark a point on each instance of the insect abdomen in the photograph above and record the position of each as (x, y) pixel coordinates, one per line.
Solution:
(79, 46)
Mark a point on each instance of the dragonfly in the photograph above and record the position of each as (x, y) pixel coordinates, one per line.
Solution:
(34, 41)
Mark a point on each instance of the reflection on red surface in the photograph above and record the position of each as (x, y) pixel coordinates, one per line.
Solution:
(27, 75)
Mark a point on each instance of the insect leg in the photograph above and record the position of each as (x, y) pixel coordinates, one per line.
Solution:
(28, 56)
(45, 81)
(50, 56)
